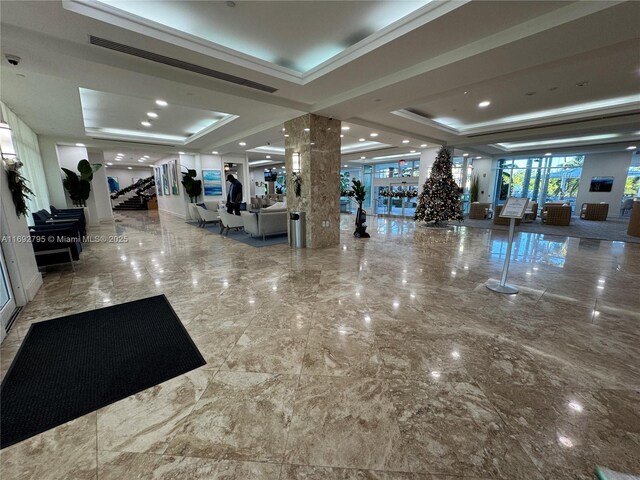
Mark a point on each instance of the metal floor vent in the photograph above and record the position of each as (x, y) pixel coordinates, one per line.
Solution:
(173, 62)
(14, 316)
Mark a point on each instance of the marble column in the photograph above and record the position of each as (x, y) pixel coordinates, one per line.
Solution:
(317, 140)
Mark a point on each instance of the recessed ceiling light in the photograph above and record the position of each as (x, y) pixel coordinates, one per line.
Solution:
(80, 145)
(423, 145)
(283, 129)
(405, 141)
(478, 158)
(412, 151)
(362, 158)
(361, 139)
(632, 147)
(215, 152)
(307, 129)
(466, 93)
(341, 135)
(268, 156)
(548, 154)
(141, 160)
(130, 168)
(152, 115)
(465, 154)
(118, 159)
(345, 128)
(161, 103)
(109, 163)
(484, 103)
(242, 144)
(344, 166)
(145, 123)
(120, 154)
(145, 156)
(180, 153)
(373, 134)
(286, 134)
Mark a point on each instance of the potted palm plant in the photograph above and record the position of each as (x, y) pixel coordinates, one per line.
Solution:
(359, 193)
(79, 186)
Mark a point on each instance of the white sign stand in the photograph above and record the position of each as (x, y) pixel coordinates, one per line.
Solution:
(514, 208)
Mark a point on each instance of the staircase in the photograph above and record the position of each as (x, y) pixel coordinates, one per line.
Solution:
(143, 191)
(133, 203)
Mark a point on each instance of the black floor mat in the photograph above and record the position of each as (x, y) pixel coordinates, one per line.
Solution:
(73, 365)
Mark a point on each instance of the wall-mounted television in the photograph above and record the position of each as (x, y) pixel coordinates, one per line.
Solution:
(601, 184)
(270, 176)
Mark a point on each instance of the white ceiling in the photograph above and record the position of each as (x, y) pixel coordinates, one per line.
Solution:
(113, 116)
(498, 51)
(322, 29)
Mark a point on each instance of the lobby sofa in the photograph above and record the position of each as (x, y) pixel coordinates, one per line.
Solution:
(265, 222)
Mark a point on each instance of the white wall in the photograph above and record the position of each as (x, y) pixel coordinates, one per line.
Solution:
(49, 153)
(100, 188)
(125, 176)
(99, 202)
(604, 165)
(427, 157)
(20, 259)
(177, 205)
(483, 168)
(213, 162)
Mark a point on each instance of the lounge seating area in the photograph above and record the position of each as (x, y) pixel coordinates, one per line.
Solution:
(57, 237)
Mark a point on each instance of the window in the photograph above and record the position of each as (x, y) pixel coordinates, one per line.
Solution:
(543, 179)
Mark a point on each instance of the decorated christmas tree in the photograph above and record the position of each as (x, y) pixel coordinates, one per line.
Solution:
(439, 201)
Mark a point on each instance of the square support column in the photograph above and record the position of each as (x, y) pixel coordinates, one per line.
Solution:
(317, 140)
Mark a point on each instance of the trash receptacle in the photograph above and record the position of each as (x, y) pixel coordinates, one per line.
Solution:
(297, 230)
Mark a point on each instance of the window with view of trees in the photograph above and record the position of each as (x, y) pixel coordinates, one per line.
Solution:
(542, 179)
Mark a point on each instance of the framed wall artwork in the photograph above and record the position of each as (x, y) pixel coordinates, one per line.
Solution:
(165, 178)
(212, 181)
(601, 184)
(114, 184)
(175, 171)
(158, 178)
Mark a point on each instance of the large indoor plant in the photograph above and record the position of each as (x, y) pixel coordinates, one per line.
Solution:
(79, 186)
(192, 186)
(359, 193)
(20, 192)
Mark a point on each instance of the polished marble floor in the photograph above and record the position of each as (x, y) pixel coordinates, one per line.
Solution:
(384, 358)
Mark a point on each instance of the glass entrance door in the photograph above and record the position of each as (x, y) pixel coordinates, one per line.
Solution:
(7, 302)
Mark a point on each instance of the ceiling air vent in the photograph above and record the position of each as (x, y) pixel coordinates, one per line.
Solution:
(190, 67)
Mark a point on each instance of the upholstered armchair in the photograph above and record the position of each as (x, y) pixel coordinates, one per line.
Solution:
(594, 211)
(479, 211)
(556, 214)
(207, 216)
(532, 212)
(229, 221)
